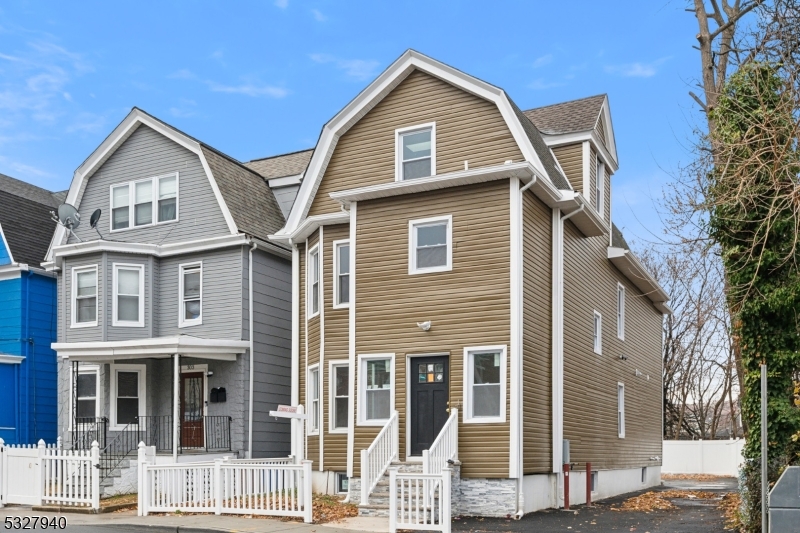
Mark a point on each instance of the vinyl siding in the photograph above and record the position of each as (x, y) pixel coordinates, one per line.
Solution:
(467, 128)
(123, 333)
(590, 380)
(592, 176)
(312, 357)
(607, 198)
(600, 129)
(86, 334)
(285, 197)
(570, 158)
(468, 306)
(147, 153)
(536, 336)
(337, 338)
(303, 334)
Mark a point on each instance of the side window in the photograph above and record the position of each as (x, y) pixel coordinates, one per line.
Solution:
(620, 312)
(341, 282)
(376, 394)
(84, 296)
(191, 295)
(340, 395)
(621, 410)
(143, 207)
(168, 198)
(598, 333)
(313, 399)
(312, 273)
(430, 245)
(128, 295)
(485, 384)
(416, 152)
(120, 207)
(86, 401)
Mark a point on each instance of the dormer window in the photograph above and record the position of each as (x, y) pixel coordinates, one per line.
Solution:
(416, 152)
(144, 202)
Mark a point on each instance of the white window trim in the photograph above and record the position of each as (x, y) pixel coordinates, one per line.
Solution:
(621, 295)
(74, 296)
(398, 148)
(600, 186)
(310, 429)
(114, 306)
(142, 370)
(337, 477)
(597, 333)
(332, 395)
(309, 283)
(182, 321)
(468, 379)
(132, 199)
(412, 244)
(362, 388)
(621, 410)
(85, 369)
(336, 245)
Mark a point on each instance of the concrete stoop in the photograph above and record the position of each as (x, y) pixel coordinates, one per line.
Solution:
(122, 480)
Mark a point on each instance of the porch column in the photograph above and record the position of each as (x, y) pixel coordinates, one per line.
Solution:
(176, 391)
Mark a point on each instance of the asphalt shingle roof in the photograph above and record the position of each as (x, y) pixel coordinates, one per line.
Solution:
(282, 165)
(617, 239)
(25, 218)
(567, 117)
(31, 192)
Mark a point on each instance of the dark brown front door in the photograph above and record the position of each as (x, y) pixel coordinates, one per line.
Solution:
(192, 403)
(429, 378)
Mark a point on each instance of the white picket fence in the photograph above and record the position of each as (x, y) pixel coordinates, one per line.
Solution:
(46, 474)
(419, 501)
(380, 454)
(270, 487)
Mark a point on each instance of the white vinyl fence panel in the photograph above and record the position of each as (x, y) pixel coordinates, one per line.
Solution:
(420, 501)
(716, 457)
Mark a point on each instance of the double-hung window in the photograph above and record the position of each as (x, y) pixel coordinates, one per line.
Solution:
(340, 395)
(128, 296)
(341, 282)
(416, 152)
(86, 400)
(144, 202)
(84, 296)
(313, 399)
(597, 338)
(313, 282)
(430, 245)
(376, 383)
(127, 394)
(485, 384)
(620, 312)
(621, 410)
(191, 295)
(599, 184)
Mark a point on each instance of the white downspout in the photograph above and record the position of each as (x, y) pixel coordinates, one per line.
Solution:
(252, 359)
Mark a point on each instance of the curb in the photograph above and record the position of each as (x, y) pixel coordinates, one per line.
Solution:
(80, 510)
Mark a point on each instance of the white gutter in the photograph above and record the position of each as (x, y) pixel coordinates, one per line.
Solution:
(252, 359)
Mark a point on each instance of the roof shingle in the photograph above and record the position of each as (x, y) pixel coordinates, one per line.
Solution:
(25, 217)
(567, 117)
(282, 165)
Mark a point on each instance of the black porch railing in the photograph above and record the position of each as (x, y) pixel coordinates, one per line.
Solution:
(87, 430)
(209, 433)
(125, 443)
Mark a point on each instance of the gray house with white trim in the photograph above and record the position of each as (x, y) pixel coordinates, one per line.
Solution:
(157, 304)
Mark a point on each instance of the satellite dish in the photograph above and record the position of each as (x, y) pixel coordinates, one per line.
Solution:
(94, 219)
(68, 217)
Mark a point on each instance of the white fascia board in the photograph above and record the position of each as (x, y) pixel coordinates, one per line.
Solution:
(285, 181)
(386, 81)
(525, 171)
(4, 243)
(12, 271)
(309, 226)
(156, 250)
(119, 135)
(631, 268)
(587, 220)
(161, 347)
(605, 112)
(6, 359)
(578, 137)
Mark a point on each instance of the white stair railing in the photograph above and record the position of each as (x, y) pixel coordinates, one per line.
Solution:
(380, 454)
(444, 448)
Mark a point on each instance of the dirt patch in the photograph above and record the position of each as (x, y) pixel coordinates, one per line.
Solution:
(660, 501)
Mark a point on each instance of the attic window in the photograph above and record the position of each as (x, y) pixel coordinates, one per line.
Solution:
(416, 152)
(144, 202)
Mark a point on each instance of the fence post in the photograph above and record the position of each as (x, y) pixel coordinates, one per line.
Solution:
(392, 500)
(364, 478)
(95, 475)
(308, 503)
(217, 480)
(444, 499)
(2, 473)
(426, 461)
(40, 472)
(141, 458)
(58, 443)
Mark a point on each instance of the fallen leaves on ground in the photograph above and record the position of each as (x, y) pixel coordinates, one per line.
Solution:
(659, 501)
(129, 500)
(693, 477)
(329, 508)
(730, 504)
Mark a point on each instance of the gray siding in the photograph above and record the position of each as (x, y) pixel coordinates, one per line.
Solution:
(85, 334)
(285, 197)
(222, 295)
(272, 294)
(123, 333)
(145, 154)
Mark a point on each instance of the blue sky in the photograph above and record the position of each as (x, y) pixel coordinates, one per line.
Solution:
(257, 78)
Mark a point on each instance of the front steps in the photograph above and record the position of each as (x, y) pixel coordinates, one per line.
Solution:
(123, 479)
(379, 499)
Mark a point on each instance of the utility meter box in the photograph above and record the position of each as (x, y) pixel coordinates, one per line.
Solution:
(784, 503)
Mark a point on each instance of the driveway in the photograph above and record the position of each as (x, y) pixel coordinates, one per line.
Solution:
(691, 516)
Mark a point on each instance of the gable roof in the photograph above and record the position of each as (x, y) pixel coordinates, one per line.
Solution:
(525, 134)
(279, 166)
(567, 117)
(25, 219)
(246, 197)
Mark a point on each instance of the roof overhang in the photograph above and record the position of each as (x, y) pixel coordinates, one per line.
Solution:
(156, 250)
(632, 268)
(608, 157)
(6, 359)
(576, 208)
(157, 348)
(285, 181)
(371, 96)
(310, 225)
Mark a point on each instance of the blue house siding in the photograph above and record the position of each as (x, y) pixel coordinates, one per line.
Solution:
(28, 410)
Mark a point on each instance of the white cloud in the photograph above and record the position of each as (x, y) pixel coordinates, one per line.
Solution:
(543, 60)
(23, 170)
(185, 109)
(637, 69)
(183, 74)
(541, 84)
(358, 69)
(283, 4)
(318, 15)
(87, 123)
(248, 89)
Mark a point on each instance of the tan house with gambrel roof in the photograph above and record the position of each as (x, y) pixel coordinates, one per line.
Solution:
(461, 294)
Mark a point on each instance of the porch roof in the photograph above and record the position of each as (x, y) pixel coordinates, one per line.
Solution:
(159, 348)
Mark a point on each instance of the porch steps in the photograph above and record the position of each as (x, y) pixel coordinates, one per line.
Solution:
(379, 499)
(121, 480)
